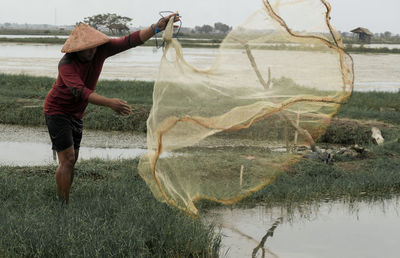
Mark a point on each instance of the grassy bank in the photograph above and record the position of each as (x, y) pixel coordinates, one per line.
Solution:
(21, 102)
(373, 173)
(112, 213)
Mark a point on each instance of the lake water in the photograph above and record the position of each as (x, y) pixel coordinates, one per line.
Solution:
(31, 146)
(360, 229)
(372, 71)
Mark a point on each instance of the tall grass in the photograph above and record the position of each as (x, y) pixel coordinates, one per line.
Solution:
(111, 214)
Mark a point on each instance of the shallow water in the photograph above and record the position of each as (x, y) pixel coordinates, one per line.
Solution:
(332, 229)
(372, 71)
(33, 36)
(31, 146)
(389, 46)
(37, 154)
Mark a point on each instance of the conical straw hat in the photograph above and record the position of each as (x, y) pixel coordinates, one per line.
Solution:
(84, 37)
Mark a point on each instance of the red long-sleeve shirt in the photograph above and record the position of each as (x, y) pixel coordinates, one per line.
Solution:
(77, 80)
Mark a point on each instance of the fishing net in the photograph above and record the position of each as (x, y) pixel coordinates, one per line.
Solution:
(227, 131)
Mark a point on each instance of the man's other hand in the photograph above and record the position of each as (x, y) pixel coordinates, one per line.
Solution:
(120, 107)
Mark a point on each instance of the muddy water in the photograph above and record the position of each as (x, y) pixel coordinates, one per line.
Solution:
(139, 63)
(333, 229)
(372, 71)
(30, 146)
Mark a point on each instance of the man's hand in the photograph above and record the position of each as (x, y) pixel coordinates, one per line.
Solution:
(120, 107)
(162, 23)
(146, 34)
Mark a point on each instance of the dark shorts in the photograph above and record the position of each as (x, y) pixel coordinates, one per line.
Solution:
(64, 131)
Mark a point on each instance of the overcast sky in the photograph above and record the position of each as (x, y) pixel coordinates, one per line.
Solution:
(376, 15)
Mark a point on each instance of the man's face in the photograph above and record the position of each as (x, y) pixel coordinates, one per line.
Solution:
(87, 54)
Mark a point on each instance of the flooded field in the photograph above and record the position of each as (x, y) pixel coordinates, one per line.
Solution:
(372, 71)
(332, 229)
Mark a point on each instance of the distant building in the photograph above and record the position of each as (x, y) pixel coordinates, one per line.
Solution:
(364, 35)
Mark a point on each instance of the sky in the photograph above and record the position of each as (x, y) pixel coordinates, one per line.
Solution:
(376, 15)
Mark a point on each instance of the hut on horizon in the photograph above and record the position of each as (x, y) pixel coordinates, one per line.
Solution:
(364, 35)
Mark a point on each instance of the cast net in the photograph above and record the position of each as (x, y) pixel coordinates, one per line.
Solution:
(227, 131)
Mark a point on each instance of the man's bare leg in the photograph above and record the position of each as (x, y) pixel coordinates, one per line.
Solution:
(65, 172)
(76, 159)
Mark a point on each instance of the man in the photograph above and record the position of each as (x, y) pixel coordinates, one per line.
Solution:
(78, 71)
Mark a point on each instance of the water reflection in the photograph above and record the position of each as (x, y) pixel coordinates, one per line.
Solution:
(270, 233)
(331, 229)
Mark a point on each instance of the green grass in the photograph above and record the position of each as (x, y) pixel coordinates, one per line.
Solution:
(375, 174)
(22, 96)
(111, 213)
(21, 101)
(382, 106)
(363, 111)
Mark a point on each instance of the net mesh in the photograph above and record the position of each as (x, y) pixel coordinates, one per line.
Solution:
(229, 130)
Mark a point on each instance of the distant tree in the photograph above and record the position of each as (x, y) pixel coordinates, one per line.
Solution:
(204, 29)
(96, 21)
(387, 34)
(221, 27)
(115, 23)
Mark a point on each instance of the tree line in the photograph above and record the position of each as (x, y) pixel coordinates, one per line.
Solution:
(113, 22)
(117, 24)
(219, 27)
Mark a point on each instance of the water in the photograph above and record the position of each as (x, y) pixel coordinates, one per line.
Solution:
(139, 63)
(36, 154)
(333, 229)
(32, 36)
(31, 146)
(378, 72)
(389, 46)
